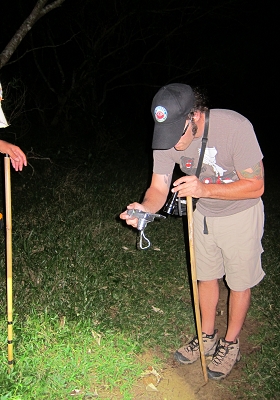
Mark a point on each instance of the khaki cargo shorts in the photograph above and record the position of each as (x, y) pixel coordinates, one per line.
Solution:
(232, 247)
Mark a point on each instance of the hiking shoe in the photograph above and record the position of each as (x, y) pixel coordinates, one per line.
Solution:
(190, 353)
(226, 355)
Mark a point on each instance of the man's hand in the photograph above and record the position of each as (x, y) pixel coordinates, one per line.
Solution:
(189, 186)
(132, 221)
(18, 158)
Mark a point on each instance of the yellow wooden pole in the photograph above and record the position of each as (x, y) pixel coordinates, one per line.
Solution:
(195, 287)
(9, 258)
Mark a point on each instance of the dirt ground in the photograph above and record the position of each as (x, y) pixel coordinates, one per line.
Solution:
(186, 382)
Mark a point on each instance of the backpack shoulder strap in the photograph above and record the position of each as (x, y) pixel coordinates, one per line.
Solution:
(204, 141)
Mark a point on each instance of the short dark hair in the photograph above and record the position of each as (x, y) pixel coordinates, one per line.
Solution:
(201, 100)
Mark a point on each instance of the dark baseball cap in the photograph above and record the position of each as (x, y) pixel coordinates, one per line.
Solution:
(170, 108)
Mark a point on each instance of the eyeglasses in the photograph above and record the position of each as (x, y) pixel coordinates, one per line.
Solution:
(185, 129)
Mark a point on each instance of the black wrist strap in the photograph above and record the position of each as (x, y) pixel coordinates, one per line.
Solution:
(204, 141)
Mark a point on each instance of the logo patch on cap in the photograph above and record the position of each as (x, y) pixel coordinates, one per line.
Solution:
(160, 114)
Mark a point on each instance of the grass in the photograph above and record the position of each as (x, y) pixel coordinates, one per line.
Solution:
(55, 359)
(262, 370)
(78, 277)
(74, 261)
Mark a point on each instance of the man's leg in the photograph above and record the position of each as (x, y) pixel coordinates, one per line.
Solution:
(227, 352)
(208, 300)
(239, 303)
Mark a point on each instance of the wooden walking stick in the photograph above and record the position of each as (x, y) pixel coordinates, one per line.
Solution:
(195, 287)
(9, 258)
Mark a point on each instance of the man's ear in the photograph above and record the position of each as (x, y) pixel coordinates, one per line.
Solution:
(196, 116)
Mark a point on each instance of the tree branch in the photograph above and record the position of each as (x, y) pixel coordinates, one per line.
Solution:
(38, 11)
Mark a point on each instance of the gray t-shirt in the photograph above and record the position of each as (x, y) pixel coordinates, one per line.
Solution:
(232, 146)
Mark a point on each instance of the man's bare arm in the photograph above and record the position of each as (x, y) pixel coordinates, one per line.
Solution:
(154, 199)
(155, 196)
(249, 186)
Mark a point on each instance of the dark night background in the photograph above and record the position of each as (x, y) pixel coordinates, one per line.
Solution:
(86, 73)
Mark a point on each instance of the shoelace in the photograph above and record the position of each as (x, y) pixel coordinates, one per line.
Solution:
(192, 345)
(220, 354)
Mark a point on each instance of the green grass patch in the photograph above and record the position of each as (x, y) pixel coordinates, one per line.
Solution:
(74, 260)
(262, 366)
(54, 358)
